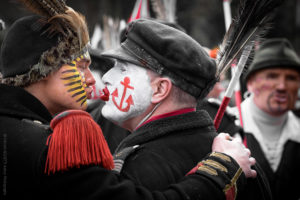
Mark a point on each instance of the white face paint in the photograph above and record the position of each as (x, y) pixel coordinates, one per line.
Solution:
(130, 89)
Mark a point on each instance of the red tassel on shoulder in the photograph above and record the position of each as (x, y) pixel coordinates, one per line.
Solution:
(77, 140)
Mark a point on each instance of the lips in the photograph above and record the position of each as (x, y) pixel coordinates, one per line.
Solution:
(89, 92)
(281, 98)
(104, 94)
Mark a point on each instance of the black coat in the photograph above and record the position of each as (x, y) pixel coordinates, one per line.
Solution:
(24, 130)
(227, 124)
(282, 182)
(169, 147)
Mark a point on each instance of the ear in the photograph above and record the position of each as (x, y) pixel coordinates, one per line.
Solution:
(250, 83)
(161, 89)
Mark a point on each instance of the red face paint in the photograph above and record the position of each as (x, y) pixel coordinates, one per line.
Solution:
(105, 94)
(129, 100)
(100, 94)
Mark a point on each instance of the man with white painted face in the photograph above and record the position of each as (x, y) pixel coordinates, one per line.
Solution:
(272, 130)
(158, 75)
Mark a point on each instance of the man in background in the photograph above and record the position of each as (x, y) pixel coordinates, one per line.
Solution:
(272, 130)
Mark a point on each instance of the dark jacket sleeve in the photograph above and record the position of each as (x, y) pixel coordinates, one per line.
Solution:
(98, 183)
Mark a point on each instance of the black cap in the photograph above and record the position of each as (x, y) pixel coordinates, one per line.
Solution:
(274, 53)
(168, 52)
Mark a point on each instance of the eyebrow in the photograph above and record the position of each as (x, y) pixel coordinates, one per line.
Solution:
(84, 60)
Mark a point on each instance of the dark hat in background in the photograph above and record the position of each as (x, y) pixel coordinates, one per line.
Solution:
(99, 63)
(274, 53)
(169, 52)
(32, 48)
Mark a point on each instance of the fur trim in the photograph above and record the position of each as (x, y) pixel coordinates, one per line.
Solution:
(72, 40)
(50, 61)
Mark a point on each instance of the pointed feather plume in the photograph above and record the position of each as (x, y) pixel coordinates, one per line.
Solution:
(36, 7)
(75, 22)
(62, 19)
(250, 24)
(252, 21)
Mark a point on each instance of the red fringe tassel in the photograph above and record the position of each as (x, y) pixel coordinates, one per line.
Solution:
(77, 140)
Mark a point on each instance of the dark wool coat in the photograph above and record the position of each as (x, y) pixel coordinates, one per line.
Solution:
(282, 182)
(169, 147)
(24, 131)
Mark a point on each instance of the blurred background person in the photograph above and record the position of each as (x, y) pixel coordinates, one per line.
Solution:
(272, 129)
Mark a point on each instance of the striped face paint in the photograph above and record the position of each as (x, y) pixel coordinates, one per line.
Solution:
(74, 81)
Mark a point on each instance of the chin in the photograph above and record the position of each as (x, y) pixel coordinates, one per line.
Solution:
(82, 107)
(278, 112)
(108, 113)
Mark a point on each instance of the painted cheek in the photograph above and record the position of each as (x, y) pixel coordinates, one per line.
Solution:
(83, 79)
(266, 87)
(121, 100)
(262, 86)
(73, 82)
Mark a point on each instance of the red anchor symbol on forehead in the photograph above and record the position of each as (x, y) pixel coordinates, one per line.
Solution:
(129, 100)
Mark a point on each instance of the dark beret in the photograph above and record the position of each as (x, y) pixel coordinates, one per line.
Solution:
(169, 52)
(274, 53)
(23, 46)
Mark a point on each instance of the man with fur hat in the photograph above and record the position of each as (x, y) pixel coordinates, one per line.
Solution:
(44, 67)
(158, 76)
(42, 73)
(272, 130)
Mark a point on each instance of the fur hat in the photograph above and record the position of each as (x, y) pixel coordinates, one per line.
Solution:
(35, 46)
(169, 52)
(274, 53)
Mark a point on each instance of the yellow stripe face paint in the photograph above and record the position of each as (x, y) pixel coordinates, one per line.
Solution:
(74, 81)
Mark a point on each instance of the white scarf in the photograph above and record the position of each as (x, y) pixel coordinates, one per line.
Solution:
(285, 127)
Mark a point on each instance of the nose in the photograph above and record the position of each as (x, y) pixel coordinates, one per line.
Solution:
(89, 78)
(281, 85)
(105, 78)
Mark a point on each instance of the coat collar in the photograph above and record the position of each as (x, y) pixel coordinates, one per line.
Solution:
(166, 125)
(18, 103)
(177, 112)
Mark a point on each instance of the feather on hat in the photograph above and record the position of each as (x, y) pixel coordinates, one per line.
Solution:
(37, 45)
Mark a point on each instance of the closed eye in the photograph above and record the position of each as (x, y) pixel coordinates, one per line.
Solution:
(123, 69)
